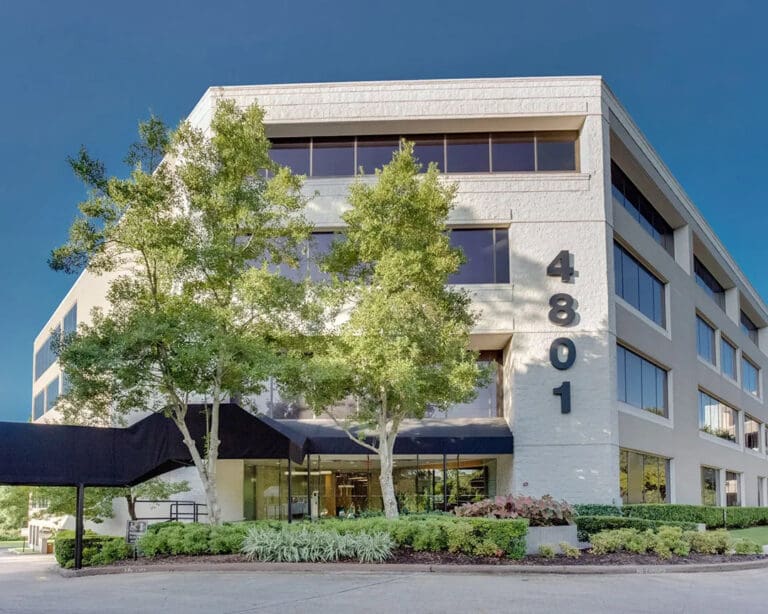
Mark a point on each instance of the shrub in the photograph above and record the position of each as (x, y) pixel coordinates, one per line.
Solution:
(542, 512)
(587, 526)
(546, 551)
(10, 536)
(710, 516)
(613, 540)
(293, 546)
(671, 540)
(593, 509)
(97, 549)
(572, 552)
(747, 546)
(709, 542)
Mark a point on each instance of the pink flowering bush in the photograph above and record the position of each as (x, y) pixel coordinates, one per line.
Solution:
(543, 512)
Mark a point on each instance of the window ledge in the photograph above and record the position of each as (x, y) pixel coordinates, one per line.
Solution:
(757, 397)
(733, 445)
(755, 453)
(729, 379)
(646, 415)
(636, 312)
(708, 364)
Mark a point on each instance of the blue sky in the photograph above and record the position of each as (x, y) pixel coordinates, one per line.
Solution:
(692, 74)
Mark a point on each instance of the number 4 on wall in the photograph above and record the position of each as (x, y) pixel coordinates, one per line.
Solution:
(564, 392)
(561, 266)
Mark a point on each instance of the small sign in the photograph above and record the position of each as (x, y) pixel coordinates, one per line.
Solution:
(136, 528)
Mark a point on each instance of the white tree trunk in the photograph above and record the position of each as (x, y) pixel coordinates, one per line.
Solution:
(387, 483)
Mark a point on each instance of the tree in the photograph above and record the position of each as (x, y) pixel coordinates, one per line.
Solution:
(197, 311)
(14, 507)
(405, 343)
(61, 500)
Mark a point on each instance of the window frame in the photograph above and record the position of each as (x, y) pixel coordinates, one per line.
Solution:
(621, 347)
(707, 324)
(708, 283)
(621, 277)
(746, 360)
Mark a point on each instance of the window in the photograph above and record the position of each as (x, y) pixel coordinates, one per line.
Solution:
(556, 152)
(45, 355)
(70, 320)
(638, 286)
(705, 340)
(375, 151)
(710, 486)
(751, 433)
(427, 149)
(717, 418)
(727, 358)
(707, 282)
(487, 403)
(486, 251)
(513, 152)
(51, 393)
(333, 157)
(468, 153)
(643, 478)
(641, 383)
(748, 327)
(641, 209)
(732, 488)
(293, 153)
(750, 376)
(38, 405)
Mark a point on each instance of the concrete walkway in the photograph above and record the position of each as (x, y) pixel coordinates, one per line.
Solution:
(32, 584)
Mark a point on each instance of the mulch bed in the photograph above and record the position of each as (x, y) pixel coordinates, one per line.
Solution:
(407, 556)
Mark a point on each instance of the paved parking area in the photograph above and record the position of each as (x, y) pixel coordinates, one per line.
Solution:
(31, 584)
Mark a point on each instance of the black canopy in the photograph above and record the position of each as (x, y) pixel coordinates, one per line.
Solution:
(55, 455)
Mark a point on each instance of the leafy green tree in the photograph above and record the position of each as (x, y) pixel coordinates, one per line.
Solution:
(197, 311)
(404, 344)
(97, 506)
(14, 507)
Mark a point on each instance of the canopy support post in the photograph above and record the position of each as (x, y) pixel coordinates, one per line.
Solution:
(79, 526)
(445, 484)
(290, 497)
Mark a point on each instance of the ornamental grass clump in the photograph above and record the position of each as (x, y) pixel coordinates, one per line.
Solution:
(315, 546)
(543, 512)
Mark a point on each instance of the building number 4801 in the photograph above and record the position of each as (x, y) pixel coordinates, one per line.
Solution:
(562, 352)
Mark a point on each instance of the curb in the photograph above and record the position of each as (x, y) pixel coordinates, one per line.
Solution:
(384, 568)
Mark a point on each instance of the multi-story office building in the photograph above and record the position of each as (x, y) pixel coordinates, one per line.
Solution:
(629, 346)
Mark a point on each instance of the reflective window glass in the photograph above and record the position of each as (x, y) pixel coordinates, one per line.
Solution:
(467, 153)
(643, 478)
(638, 286)
(555, 152)
(728, 358)
(486, 255)
(374, 152)
(293, 153)
(750, 376)
(710, 486)
(513, 152)
(716, 418)
(428, 149)
(333, 157)
(705, 340)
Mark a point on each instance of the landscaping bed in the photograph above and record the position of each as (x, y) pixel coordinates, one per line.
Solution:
(410, 557)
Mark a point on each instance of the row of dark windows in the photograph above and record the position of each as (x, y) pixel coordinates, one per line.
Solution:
(498, 152)
(638, 286)
(707, 282)
(486, 254)
(641, 383)
(706, 350)
(46, 399)
(641, 209)
(45, 356)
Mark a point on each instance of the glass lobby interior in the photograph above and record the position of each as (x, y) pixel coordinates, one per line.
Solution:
(323, 487)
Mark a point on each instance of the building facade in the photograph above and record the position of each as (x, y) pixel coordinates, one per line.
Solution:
(629, 346)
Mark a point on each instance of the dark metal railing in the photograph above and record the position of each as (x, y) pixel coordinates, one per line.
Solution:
(183, 511)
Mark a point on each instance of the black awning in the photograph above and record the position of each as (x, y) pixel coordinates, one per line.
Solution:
(55, 455)
(484, 436)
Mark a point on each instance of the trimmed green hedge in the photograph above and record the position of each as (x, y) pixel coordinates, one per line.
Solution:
(596, 509)
(97, 549)
(590, 525)
(479, 536)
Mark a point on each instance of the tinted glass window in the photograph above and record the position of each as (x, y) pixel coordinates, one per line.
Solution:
(70, 320)
(486, 260)
(751, 434)
(51, 393)
(638, 286)
(319, 247)
(643, 477)
(467, 153)
(485, 404)
(555, 153)
(428, 149)
(705, 340)
(707, 282)
(748, 327)
(750, 376)
(641, 210)
(333, 157)
(45, 355)
(293, 153)
(641, 383)
(728, 358)
(38, 405)
(375, 151)
(513, 152)
(710, 485)
(732, 488)
(717, 418)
